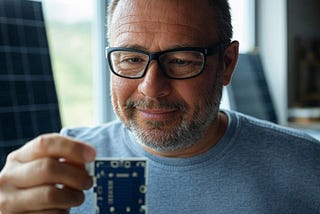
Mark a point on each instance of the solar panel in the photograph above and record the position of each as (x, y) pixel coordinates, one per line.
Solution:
(248, 91)
(28, 99)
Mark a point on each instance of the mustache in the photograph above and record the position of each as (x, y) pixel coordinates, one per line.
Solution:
(155, 104)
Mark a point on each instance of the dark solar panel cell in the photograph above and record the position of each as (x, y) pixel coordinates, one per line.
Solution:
(16, 63)
(5, 91)
(51, 98)
(26, 124)
(31, 36)
(53, 118)
(42, 39)
(20, 93)
(38, 89)
(38, 10)
(27, 14)
(3, 36)
(11, 30)
(9, 126)
(42, 117)
(3, 63)
(46, 65)
(35, 63)
(9, 8)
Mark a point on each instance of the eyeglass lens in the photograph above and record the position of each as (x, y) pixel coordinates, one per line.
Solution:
(178, 64)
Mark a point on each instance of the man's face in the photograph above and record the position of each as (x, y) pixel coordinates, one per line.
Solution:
(165, 114)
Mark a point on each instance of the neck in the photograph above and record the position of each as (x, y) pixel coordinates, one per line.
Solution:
(211, 138)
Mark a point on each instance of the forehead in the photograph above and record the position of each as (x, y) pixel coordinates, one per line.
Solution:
(175, 21)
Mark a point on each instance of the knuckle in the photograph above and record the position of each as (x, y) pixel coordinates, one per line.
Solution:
(75, 150)
(49, 194)
(5, 204)
(42, 142)
(47, 167)
(11, 157)
(3, 179)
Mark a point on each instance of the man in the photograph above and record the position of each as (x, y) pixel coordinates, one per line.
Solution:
(169, 60)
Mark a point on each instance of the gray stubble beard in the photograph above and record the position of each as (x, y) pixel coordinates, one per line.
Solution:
(185, 135)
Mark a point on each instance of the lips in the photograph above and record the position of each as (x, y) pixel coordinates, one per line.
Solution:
(156, 114)
(154, 110)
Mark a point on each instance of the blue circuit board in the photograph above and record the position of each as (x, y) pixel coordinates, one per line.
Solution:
(120, 185)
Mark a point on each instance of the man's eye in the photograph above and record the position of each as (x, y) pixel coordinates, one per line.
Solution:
(180, 62)
(132, 60)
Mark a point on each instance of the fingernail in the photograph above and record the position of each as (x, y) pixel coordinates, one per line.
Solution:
(89, 183)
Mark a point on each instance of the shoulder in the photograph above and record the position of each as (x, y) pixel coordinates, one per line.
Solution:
(265, 130)
(265, 140)
(281, 149)
(108, 132)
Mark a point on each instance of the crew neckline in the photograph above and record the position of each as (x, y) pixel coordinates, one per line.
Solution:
(212, 155)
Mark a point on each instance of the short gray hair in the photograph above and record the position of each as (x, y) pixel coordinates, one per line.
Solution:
(221, 8)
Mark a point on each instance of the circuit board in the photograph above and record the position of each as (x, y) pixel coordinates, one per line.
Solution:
(120, 185)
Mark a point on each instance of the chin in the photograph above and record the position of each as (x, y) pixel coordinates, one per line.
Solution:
(166, 139)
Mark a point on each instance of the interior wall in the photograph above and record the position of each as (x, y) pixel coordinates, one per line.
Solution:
(272, 43)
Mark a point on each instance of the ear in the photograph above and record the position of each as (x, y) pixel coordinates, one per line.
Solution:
(230, 59)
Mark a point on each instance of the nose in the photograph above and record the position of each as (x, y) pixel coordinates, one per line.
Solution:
(154, 84)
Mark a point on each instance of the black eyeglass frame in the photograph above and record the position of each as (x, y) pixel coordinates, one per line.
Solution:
(210, 51)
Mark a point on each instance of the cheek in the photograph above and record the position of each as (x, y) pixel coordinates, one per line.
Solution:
(121, 90)
(200, 91)
(193, 91)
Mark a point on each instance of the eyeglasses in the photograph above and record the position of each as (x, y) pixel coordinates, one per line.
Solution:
(178, 63)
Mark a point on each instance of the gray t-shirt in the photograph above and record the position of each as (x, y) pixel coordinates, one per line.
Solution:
(257, 167)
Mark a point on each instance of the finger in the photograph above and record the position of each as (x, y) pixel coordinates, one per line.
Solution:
(48, 171)
(43, 198)
(53, 211)
(54, 145)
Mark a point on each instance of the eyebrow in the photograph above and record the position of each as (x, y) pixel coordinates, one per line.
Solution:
(140, 47)
(134, 46)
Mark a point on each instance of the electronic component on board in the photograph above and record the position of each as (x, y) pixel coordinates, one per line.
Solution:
(120, 185)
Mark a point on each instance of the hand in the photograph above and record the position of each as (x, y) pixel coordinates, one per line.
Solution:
(46, 175)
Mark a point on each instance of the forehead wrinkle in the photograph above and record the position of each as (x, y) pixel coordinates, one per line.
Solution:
(154, 27)
(162, 15)
(147, 24)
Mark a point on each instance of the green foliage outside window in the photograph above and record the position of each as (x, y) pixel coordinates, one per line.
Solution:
(71, 57)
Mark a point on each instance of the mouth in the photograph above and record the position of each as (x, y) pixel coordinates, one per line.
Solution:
(156, 114)
(156, 111)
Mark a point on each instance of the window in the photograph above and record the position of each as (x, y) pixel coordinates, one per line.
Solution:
(68, 25)
(243, 21)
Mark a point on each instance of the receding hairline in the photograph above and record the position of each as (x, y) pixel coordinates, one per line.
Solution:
(221, 10)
